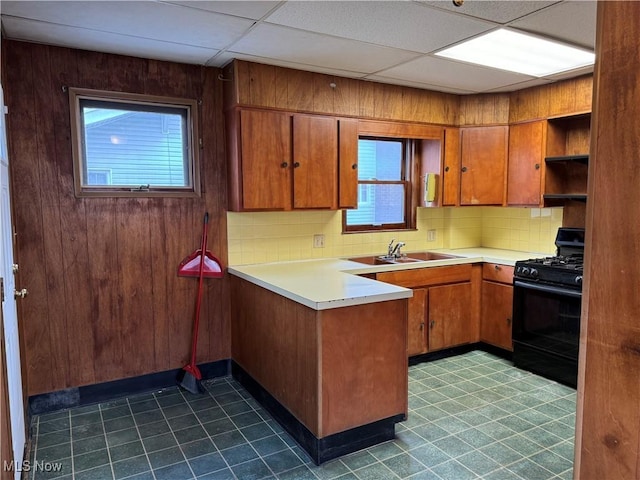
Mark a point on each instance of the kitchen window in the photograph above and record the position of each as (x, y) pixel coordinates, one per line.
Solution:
(384, 187)
(133, 145)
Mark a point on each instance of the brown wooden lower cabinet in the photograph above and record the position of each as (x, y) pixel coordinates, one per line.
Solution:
(497, 305)
(451, 320)
(333, 370)
(444, 310)
(416, 322)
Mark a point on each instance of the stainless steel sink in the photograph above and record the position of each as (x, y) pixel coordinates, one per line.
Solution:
(409, 258)
(426, 256)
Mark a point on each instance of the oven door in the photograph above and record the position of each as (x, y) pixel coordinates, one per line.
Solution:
(546, 330)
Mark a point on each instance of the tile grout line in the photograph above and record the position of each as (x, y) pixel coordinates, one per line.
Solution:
(73, 463)
(106, 442)
(144, 449)
(35, 448)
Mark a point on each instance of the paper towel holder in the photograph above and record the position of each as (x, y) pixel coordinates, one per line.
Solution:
(429, 189)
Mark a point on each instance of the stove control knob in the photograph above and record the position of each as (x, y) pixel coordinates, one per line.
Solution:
(525, 271)
(578, 280)
(533, 273)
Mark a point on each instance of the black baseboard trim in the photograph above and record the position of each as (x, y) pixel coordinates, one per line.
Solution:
(103, 392)
(319, 449)
(454, 351)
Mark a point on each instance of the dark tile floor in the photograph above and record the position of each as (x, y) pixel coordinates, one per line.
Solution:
(470, 416)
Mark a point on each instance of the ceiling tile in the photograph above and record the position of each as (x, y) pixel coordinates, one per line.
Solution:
(452, 74)
(496, 11)
(399, 24)
(225, 57)
(519, 86)
(245, 9)
(40, 32)
(312, 49)
(152, 20)
(571, 21)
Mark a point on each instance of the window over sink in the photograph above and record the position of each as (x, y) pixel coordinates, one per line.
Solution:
(384, 186)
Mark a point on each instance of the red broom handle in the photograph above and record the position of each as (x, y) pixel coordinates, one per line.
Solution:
(199, 300)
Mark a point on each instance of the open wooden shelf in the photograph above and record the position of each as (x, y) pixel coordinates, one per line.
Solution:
(583, 159)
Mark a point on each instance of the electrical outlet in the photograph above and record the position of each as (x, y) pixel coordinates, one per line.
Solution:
(431, 235)
(318, 241)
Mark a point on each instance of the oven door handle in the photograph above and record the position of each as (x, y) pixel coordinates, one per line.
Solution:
(547, 289)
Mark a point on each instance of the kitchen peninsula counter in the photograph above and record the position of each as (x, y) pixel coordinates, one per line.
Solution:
(324, 349)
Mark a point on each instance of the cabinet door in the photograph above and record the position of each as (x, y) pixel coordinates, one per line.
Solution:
(416, 318)
(484, 161)
(348, 163)
(266, 158)
(451, 174)
(526, 155)
(497, 306)
(450, 316)
(315, 162)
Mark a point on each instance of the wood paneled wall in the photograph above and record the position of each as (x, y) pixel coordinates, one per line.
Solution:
(608, 421)
(554, 100)
(104, 299)
(268, 86)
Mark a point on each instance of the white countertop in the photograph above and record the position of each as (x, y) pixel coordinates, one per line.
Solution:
(331, 282)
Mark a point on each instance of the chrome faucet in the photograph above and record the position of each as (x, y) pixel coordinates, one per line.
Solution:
(390, 247)
(394, 251)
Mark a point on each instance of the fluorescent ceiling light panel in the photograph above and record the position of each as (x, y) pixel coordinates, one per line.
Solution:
(518, 52)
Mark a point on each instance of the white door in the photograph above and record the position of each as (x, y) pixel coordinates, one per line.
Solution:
(10, 315)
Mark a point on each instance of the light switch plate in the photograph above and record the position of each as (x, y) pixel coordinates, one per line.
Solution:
(431, 235)
(318, 241)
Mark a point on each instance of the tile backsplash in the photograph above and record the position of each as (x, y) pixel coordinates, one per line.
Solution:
(260, 237)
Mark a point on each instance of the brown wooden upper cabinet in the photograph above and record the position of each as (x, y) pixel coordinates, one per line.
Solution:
(483, 154)
(451, 168)
(283, 161)
(526, 163)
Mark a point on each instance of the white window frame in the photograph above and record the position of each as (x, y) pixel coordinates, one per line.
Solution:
(192, 189)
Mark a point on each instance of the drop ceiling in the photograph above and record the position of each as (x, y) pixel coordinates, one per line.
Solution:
(385, 41)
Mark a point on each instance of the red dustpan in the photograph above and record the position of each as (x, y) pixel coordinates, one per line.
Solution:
(190, 266)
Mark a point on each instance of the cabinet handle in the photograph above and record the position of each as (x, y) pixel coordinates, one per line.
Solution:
(284, 164)
(354, 166)
(537, 166)
(464, 169)
(508, 322)
(498, 268)
(446, 169)
(422, 326)
(432, 324)
(296, 164)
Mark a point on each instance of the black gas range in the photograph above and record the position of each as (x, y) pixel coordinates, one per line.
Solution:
(547, 301)
(565, 270)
